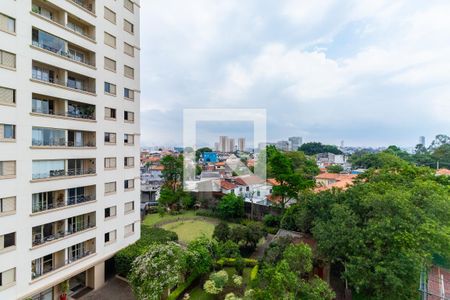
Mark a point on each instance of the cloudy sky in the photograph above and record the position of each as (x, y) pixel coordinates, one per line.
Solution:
(363, 71)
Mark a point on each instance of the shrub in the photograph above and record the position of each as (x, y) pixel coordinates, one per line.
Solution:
(254, 273)
(216, 282)
(231, 296)
(206, 213)
(272, 221)
(231, 262)
(149, 235)
(237, 280)
(182, 287)
(221, 232)
(231, 206)
(239, 265)
(229, 249)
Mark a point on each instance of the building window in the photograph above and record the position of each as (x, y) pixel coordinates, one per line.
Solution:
(110, 88)
(110, 113)
(7, 205)
(110, 212)
(129, 206)
(128, 72)
(110, 237)
(129, 94)
(7, 240)
(128, 162)
(110, 64)
(7, 96)
(110, 187)
(110, 162)
(7, 132)
(7, 277)
(7, 24)
(128, 4)
(128, 49)
(129, 229)
(7, 168)
(7, 59)
(110, 137)
(128, 139)
(128, 184)
(128, 116)
(48, 137)
(110, 15)
(110, 40)
(128, 26)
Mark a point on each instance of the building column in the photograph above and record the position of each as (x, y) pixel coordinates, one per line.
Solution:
(96, 276)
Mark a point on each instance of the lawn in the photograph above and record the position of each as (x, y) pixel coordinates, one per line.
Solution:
(198, 293)
(153, 219)
(188, 230)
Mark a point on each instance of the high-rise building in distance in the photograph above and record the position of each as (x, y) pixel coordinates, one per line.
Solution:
(69, 143)
(295, 142)
(241, 144)
(224, 144)
(422, 140)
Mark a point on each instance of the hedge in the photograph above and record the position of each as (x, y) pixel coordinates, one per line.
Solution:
(254, 273)
(149, 235)
(181, 288)
(230, 262)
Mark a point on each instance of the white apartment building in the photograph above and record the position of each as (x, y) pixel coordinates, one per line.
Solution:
(69, 143)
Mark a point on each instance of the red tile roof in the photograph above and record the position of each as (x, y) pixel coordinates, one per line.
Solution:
(272, 181)
(342, 184)
(443, 172)
(226, 185)
(249, 180)
(337, 177)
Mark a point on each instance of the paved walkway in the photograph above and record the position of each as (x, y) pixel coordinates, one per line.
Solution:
(259, 252)
(114, 289)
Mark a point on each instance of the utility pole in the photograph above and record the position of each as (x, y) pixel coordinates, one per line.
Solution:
(437, 165)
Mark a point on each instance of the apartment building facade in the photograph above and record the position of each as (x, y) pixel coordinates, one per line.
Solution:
(69, 143)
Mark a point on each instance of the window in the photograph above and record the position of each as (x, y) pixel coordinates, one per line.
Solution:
(48, 137)
(7, 205)
(110, 40)
(110, 64)
(7, 168)
(128, 184)
(110, 113)
(110, 137)
(129, 229)
(76, 27)
(7, 132)
(110, 187)
(110, 237)
(44, 74)
(110, 162)
(128, 72)
(128, 4)
(110, 15)
(128, 116)
(128, 139)
(7, 24)
(110, 212)
(129, 206)
(128, 162)
(110, 88)
(42, 11)
(128, 49)
(128, 26)
(129, 94)
(7, 277)
(7, 240)
(7, 96)
(7, 59)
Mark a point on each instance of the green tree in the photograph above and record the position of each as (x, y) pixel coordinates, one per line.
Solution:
(175, 199)
(156, 271)
(173, 171)
(314, 148)
(335, 169)
(299, 257)
(221, 232)
(231, 206)
(229, 249)
(200, 255)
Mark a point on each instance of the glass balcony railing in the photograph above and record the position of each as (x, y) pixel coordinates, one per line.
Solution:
(41, 239)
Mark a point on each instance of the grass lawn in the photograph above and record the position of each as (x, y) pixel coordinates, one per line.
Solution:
(199, 293)
(189, 230)
(153, 219)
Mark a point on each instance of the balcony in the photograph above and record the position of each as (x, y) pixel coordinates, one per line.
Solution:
(63, 48)
(61, 138)
(56, 169)
(52, 262)
(60, 17)
(59, 77)
(88, 5)
(48, 201)
(50, 106)
(63, 228)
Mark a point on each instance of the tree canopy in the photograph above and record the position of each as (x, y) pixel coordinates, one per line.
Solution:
(314, 148)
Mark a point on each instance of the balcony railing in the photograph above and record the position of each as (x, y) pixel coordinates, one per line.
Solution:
(70, 84)
(64, 173)
(39, 240)
(49, 269)
(71, 114)
(63, 53)
(59, 143)
(70, 201)
(85, 5)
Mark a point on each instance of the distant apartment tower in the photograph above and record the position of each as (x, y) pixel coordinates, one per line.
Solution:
(216, 146)
(295, 142)
(282, 145)
(422, 141)
(241, 144)
(224, 144)
(232, 145)
(69, 143)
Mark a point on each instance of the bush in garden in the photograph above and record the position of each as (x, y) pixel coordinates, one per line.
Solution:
(229, 249)
(237, 280)
(221, 232)
(216, 282)
(272, 221)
